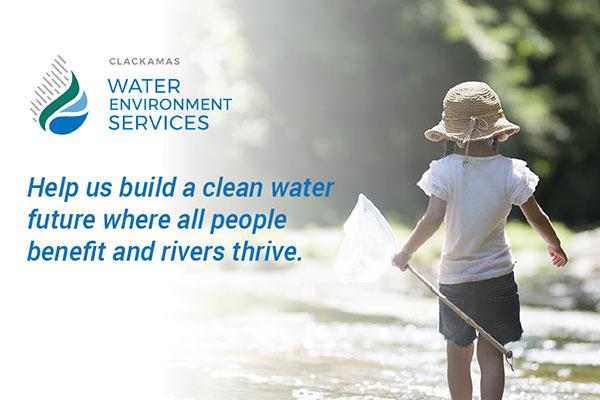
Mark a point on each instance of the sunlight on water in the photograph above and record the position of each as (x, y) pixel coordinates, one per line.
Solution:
(269, 335)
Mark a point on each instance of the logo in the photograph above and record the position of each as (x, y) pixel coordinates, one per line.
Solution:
(59, 104)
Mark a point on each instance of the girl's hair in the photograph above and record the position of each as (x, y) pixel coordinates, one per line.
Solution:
(495, 144)
(450, 146)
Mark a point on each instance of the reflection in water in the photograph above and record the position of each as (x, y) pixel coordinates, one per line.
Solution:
(295, 333)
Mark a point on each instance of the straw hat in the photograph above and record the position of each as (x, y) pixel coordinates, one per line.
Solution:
(472, 111)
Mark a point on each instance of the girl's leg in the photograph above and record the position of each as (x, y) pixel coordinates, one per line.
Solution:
(459, 371)
(491, 364)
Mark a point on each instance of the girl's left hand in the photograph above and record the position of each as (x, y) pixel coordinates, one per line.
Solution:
(400, 260)
(558, 255)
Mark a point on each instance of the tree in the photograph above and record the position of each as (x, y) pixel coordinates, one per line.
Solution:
(543, 57)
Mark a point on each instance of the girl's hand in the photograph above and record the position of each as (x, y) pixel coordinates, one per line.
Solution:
(557, 254)
(400, 260)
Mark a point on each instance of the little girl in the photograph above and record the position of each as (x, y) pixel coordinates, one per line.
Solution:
(473, 188)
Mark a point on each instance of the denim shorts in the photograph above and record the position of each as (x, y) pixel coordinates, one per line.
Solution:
(492, 303)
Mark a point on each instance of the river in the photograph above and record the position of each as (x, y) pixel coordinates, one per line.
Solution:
(296, 333)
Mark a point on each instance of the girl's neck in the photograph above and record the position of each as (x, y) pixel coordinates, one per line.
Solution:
(477, 149)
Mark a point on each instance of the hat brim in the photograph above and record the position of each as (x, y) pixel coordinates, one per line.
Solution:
(502, 128)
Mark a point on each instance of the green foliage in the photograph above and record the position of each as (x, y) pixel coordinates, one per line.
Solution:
(349, 87)
(523, 237)
(352, 86)
(546, 73)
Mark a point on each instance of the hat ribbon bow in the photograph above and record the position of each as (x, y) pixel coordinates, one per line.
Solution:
(475, 122)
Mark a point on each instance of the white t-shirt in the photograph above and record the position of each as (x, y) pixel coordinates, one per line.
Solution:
(479, 198)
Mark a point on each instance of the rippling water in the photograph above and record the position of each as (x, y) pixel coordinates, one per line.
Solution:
(297, 334)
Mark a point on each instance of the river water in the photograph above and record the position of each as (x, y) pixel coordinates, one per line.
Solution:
(296, 333)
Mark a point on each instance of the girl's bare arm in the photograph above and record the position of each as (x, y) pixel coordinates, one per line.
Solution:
(540, 222)
(426, 227)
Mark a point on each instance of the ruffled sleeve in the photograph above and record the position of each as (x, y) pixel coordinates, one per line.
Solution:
(434, 182)
(523, 183)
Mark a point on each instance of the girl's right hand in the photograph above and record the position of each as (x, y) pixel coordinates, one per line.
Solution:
(557, 254)
(401, 260)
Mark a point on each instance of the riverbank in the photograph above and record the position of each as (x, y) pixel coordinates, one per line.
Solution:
(575, 287)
